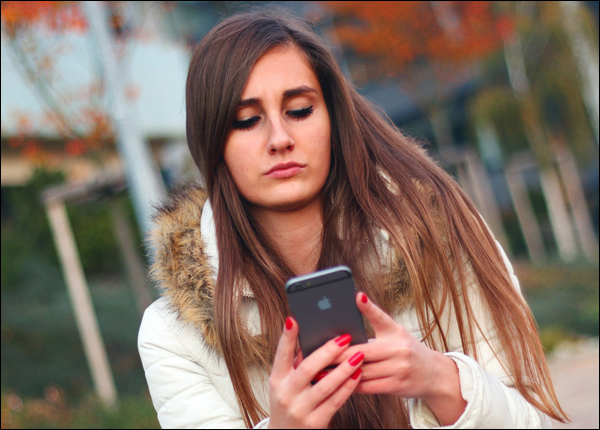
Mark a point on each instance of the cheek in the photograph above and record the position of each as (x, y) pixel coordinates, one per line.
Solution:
(238, 163)
(324, 157)
(322, 150)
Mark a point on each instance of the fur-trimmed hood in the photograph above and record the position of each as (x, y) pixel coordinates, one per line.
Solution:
(186, 261)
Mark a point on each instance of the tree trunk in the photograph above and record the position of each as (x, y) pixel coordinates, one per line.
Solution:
(558, 214)
(586, 57)
(551, 188)
(525, 214)
(485, 198)
(442, 129)
(134, 265)
(579, 209)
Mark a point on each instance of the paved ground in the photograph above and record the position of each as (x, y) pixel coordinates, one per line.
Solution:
(574, 371)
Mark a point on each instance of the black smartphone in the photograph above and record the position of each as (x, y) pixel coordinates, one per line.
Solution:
(323, 304)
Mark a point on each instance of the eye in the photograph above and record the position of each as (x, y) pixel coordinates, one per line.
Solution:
(247, 124)
(302, 113)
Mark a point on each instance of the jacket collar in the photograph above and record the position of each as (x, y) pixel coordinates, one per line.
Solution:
(209, 237)
(186, 262)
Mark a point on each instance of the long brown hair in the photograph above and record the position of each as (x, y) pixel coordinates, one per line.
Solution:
(378, 179)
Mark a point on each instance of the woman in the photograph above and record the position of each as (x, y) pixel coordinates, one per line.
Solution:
(302, 174)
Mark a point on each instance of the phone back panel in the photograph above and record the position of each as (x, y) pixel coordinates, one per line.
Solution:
(326, 311)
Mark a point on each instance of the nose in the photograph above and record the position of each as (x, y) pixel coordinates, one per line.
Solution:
(279, 140)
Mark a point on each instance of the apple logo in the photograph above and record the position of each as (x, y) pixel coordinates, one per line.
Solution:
(324, 303)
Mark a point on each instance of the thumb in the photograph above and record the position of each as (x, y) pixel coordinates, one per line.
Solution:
(381, 322)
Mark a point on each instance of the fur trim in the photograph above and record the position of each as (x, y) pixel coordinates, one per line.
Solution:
(184, 275)
(181, 264)
(398, 287)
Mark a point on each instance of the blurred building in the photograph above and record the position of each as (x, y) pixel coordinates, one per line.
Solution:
(156, 68)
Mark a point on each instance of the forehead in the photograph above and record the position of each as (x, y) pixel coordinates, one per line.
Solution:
(278, 70)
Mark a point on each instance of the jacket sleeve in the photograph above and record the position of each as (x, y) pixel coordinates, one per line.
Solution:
(182, 391)
(492, 402)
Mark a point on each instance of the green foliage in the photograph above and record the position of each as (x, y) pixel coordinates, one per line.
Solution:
(499, 106)
(40, 342)
(55, 411)
(132, 412)
(26, 231)
(563, 298)
(514, 235)
(552, 336)
(96, 242)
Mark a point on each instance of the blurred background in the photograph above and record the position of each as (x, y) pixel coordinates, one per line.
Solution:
(503, 94)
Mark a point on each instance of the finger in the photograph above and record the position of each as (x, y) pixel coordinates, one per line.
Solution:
(284, 357)
(320, 359)
(298, 359)
(378, 370)
(380, 321)
(337, 399)
(373, 352)
(376, 386)
(331, 382)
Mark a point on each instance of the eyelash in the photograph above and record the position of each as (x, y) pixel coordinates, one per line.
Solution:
(300, 115)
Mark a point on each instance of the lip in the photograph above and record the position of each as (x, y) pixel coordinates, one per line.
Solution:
(285, 170)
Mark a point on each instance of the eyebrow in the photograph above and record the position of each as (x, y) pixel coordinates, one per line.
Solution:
(286, 95)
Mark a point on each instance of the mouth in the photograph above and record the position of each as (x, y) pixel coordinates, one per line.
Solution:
(285, 170)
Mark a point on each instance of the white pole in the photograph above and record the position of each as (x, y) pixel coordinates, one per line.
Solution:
(143, 177)
(85, 317)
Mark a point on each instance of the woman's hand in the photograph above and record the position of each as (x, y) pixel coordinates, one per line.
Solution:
(397, 363)
(295, 403)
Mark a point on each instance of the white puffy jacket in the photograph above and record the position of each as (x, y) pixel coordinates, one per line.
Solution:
(189, 381)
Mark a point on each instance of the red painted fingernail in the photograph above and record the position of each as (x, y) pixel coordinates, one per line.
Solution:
(363, 298)
(356, 374)
(321, 375)
(356, 358)
(289, 323)
(343, 340)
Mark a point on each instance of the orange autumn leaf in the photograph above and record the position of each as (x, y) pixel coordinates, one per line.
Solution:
(75, 147)
(36, 31)
(393, 37)
(55, 15)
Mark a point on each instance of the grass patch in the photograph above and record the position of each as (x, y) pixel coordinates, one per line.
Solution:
(563, 298)
(54, 411)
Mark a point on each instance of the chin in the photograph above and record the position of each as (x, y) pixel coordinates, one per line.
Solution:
(286, 202)
(287, 205)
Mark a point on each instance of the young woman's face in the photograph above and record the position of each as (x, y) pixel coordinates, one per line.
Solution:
(278, 151)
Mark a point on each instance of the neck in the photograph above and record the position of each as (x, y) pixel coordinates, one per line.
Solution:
(296, 235)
